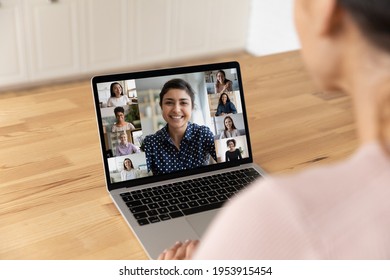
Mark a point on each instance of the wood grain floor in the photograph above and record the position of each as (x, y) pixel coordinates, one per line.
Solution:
(54, 204)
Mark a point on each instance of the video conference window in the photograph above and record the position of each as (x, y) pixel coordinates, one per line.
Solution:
(188, 127)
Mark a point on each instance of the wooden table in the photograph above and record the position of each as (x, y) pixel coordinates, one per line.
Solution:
(54, 204)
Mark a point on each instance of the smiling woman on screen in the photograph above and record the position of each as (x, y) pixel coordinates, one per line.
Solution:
(180, 145)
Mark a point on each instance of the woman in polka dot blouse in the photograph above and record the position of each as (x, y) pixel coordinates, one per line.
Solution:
(180, 145)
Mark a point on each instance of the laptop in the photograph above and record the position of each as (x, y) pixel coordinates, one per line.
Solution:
(162, 200)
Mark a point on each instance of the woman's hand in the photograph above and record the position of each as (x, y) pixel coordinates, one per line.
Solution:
(180, 251)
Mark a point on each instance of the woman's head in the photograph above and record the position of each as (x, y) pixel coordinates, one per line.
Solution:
(346, 47)
(177, 101)
(119, 113)
(128, 164)
(221, 77)
(231, 143)
(123, 137)
(116, 89)
(224, 98)
(177, 84)
(372, 18)
(228, 123)
(332, 31)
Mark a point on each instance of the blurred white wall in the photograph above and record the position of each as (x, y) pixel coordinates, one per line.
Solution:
(44, 41)
(271, 27)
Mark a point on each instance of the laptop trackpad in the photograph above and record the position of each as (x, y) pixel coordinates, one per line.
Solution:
(200, 222)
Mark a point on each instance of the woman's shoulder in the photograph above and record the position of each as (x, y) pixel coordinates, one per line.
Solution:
(335, 182)
(157, 135)
(149, 138)
(130, 126)
(200, 128)
(200, 131)
(230, 103)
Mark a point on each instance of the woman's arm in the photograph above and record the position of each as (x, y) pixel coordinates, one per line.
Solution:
(229, 86)
(232, 108)
(109, 103)
(219, 110)
(208, 144)
(130, 126)
(117, 151)
(147, 150)
(134, 148)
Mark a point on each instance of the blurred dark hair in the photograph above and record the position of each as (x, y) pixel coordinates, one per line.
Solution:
(231, 140)
(112, 88)
(119, 109)
(373, 18)
(178, 84)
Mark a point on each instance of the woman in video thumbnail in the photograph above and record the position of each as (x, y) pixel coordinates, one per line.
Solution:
(230, 129)
(117, 98)
(180, 145)
(128, 172)
(124, 147)
(225, 106)
(232, 154)
(222, 84)
(121, 124)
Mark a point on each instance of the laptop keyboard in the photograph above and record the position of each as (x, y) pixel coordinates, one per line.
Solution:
(152, 205)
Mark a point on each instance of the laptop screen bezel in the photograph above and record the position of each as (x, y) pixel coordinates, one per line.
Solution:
(159, 73)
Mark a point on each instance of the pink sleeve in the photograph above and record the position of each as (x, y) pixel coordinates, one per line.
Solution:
(260, 223)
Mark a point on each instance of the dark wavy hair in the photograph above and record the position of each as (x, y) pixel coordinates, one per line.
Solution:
(373, 18)
(119, 109)
(231, 140)
(112, 88)
(220, 98)
(178, 84)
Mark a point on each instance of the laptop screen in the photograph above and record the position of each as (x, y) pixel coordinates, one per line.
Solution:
(171, 122)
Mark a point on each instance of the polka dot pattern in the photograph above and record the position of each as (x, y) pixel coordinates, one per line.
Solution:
(196, 147)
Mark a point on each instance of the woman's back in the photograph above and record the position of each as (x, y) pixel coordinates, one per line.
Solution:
(333, 212)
